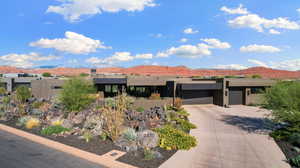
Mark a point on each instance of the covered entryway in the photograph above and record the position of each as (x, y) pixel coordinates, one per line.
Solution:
(236, 96)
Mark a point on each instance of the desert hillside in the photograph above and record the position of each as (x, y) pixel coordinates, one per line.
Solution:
(163, 71)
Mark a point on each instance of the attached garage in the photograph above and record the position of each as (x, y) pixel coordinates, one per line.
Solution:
(236, 96)
(198, 93)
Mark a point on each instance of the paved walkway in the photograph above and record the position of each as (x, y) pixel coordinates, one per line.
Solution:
(16, 152)
(233, 137)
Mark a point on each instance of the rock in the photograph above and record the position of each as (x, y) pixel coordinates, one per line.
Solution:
(76, 118)
(148, 139)
(67, 124)
(126, 145)
(94, 123)
(157, 155)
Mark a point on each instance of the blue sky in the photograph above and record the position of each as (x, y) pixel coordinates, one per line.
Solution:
(104, 33)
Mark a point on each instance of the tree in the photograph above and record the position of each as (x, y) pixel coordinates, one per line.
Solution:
(284, 101)
(84, 75)
(23, 93)
(75, 94)
(46, 74)
(256, 76)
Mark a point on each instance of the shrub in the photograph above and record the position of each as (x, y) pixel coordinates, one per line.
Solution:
(284, 101)
(114, 120)
(185, 125)
(173, 139)
(148, 154)
(2, 91)
(32, 123)
(178, 103)
(110, 102)
(84, 75)
(256, 76)
(46, 74)
(75, 94)
(294, 139)
(37, 104)
(51, 130)
(57, 122)
(140, 109)
(182, 113)
(130, 134)
(103, 136)
(295, 161)
(22, 121)
(87, 136)
(22, 94)
(154, 96)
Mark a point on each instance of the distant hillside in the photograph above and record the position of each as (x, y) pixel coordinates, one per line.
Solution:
(162, 71)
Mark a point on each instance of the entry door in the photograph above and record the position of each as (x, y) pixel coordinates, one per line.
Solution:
(236, 96)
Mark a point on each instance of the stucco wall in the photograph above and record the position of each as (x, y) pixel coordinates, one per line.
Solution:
(255, 99)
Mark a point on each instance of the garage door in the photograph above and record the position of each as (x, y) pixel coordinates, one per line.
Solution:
(236, 96)
(197, 97)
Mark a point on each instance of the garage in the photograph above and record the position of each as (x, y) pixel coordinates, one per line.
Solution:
(236, 96)
(197, 93)
(197, 97)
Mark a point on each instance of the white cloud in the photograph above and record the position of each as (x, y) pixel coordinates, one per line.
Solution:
(73, 10)
(231, 67)
(117, 58)
(25, 60)
(273, 31)
(239, 10)
(259, 49)
(293, 65)
(73, 43)
(159, 35)
(183, 40)
(190, 31)
(258, 23)
(144, 56)
(195, 51)
(187, 51)
(215, 43)
(298, 10)
(257, 62)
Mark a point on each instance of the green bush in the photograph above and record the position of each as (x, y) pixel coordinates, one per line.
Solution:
(84, 75)
(46, 74)
(23, 93)
(295, 161)
(140, 109)
(75, 94)
(37, 105)
(185, 125)
(148, 154)
(284, 101)
(173, 139)
(51, 130)
(2, 91)
(256, 76)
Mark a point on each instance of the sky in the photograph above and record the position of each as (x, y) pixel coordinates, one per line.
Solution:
(221, 34)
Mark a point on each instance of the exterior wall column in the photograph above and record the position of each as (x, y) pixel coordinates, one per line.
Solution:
(246, 96)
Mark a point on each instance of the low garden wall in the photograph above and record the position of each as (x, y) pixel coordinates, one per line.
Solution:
(255, 99)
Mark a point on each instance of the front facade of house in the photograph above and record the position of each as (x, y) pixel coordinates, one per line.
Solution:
(222, 92)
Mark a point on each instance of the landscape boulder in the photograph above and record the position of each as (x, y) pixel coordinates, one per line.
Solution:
(148, 139)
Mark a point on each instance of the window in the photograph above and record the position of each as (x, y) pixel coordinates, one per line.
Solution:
(114, 88)
(108, 88)
(259, 90)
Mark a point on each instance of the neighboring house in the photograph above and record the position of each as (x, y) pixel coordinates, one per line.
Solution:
(11, 84)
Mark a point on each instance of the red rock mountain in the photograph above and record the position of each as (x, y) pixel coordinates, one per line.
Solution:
(163, 71)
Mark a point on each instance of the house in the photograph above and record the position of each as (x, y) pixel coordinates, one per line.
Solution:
(223, 91)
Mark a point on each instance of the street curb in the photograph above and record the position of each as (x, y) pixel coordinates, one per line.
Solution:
(108, 159)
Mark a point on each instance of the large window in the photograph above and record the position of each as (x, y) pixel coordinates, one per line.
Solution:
(257, 90)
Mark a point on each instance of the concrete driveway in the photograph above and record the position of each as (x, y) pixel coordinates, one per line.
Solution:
(233, 137)
(16, 152)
